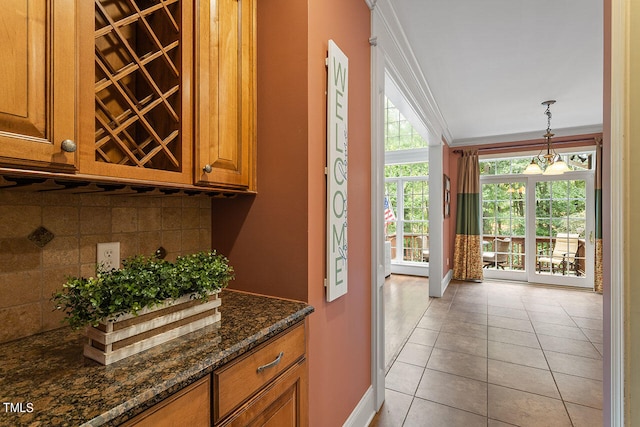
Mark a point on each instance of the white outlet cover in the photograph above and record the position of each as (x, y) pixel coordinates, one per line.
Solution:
(108, 256)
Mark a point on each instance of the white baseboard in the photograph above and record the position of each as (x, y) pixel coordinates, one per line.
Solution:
(364, 412)
(446, 280)
(411, 270)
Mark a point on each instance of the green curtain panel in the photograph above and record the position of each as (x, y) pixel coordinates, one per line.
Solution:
(467, 255)
(597, 279)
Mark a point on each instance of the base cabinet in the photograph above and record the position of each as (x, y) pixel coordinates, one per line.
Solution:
(279, 405)
(190, 406)
(268, 386)
(265, 387)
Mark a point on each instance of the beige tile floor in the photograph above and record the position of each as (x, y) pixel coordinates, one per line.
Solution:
(500, 354)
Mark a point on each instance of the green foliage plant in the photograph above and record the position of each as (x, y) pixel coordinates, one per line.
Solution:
(142, 282)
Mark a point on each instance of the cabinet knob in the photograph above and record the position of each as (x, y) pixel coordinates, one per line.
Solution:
(69, 146)
(207, 168)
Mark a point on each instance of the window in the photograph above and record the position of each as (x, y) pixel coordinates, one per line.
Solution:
(561, 220)
(503, 224)
(399, 134)
(406, 189)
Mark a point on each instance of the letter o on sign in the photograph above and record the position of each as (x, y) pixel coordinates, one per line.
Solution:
(339, 205)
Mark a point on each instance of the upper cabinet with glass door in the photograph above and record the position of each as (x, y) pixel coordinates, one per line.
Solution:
(37, 85)
(162, 79)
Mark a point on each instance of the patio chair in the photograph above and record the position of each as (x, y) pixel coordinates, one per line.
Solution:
(563, 255)
(499, 257)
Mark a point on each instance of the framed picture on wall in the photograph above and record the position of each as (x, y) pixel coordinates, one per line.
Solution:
(447, 196)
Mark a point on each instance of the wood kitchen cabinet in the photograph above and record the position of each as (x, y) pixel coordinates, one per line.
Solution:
(172, 88)
(225, 98)
(268, 386)
(136, 63)
(145, 91)
(38, 84)
(281, 404)
(190, 406)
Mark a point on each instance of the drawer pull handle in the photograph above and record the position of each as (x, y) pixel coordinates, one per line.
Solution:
(272, 364)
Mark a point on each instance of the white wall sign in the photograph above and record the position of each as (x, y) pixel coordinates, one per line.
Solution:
(337, 106)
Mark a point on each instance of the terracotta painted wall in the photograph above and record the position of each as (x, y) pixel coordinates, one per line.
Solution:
(276, 240)
(340, 331)
(266, 236)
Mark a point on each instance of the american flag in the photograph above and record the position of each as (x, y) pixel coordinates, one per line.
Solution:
(388, 212)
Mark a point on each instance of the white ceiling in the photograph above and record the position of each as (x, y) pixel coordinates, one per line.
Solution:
(491, 63)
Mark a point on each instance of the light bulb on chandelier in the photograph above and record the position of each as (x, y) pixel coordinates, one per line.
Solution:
(552, 162)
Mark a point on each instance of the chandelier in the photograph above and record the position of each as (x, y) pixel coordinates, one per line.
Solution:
(551, 162)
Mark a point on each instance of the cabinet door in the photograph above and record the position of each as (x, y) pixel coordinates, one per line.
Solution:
(225, 99)
(190, 406)
(283, 403)
(38, 84)
(137, 79)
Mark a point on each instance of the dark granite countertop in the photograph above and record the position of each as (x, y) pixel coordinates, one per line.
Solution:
(53, 384)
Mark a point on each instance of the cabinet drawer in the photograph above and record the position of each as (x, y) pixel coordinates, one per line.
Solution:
(280, 404)
(237, 382)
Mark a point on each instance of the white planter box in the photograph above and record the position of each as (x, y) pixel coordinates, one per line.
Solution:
(113, 340)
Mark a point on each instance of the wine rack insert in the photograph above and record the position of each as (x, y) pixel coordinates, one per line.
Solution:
(138, 83)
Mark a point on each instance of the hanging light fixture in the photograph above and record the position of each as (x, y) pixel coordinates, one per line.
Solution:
(552, 162)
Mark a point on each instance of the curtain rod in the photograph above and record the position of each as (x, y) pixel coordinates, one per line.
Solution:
(597, 140)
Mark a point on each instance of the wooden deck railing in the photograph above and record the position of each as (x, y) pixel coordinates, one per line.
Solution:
(415, 245)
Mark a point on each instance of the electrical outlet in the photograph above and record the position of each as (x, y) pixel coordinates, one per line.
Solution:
(108, 256)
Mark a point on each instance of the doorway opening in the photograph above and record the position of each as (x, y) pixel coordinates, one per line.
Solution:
(540, 228)
(406, 195)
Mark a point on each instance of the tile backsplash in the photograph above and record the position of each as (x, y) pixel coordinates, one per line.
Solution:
(29, 274)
